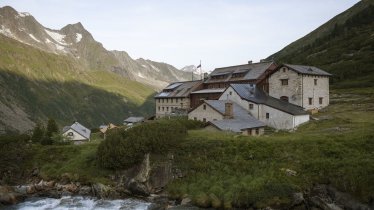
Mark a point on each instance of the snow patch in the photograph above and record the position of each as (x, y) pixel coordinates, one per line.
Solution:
(145, 66)
(141, 75)
(59, 38)
(155, 68)
(78, 37)
(33, 37)
(6, 32)
(24, 14)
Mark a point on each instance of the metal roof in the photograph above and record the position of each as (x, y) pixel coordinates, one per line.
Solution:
(173, 85)
(242, 119)
(311, 70)
(236, 125)
(258, 96)
(254, 71)
(182, 90)
(79, 128)
(217, 90)
(134, 119)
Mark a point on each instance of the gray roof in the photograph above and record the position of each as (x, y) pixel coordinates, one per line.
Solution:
(134, 119)
(242, 119)
(258, 96)
(77, 127)
(179, 89)
(235, 125)
(252, 71)
(217, 90)
(311, 70)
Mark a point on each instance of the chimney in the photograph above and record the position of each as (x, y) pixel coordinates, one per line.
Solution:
(250, 62)
(229, 110)
(205, 76)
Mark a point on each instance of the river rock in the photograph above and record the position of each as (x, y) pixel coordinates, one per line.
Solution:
(70, 188)
(138, 188)
(100, 190)
(85, 190)
(9, 197)
(186, 201)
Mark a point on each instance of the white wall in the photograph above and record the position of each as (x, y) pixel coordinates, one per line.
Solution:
(300, 119)
(209, 113)
(76, 136)
(243, 103)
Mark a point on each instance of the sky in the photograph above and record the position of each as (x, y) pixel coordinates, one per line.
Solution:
(179, 32)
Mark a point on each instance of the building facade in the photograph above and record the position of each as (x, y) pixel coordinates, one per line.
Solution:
(174, 100)
(305, 86)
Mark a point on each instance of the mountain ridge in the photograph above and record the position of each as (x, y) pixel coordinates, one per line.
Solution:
(74, 40)
(344, 46)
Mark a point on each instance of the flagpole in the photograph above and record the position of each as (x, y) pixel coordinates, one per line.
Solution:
(201, 77)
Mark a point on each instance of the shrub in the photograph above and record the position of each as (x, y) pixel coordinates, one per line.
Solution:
(124, 148)
(37, 133)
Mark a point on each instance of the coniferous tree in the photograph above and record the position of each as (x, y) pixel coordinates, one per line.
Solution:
(52, 127)
(37, 133)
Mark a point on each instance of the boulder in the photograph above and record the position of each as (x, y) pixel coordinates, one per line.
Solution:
(138, 188)
(70, 188)
(297, 199)
(9, 197)
(101, 191)
(85, 191)
(186, 201)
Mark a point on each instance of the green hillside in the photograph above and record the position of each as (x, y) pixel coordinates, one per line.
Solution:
(36, 85)
(343, 46)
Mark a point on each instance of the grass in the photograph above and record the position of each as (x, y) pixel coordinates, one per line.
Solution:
(249, 172)
(224, 170)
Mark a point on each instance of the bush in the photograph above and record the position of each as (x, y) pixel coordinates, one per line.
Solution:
(124, 148)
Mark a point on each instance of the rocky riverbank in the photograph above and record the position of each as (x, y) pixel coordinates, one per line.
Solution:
(146, 181)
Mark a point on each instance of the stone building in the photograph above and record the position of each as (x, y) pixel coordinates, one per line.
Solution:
(273, 112)
(226, 115)
(174, 100)
(305, 86)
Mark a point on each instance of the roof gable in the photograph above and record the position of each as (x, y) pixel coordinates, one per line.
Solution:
(309, 70)
(80, 129)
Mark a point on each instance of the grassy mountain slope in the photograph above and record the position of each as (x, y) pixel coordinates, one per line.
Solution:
(36, 84)
(343, 46)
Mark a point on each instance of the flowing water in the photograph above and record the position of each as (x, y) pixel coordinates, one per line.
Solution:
(78, 202)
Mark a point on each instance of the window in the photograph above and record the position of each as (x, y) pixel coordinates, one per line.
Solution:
(204, 120)
(284, 69)
(320, 100)
(250, 106)
(204, 107)
(167, 100)
(284, 81)
(159, 100)
(310, 101)
(159, 108)
(284, 98)
(267, 115)
(163, 108)
(181, 105)
(315, 81)
(194, 118)
(230, 93)
(249, 131)
(162, 100)
(70, 134)
(167, 108)
(176, 100)
(171, 100)
(257, 131)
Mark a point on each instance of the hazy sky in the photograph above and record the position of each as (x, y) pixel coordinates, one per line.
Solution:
(182, 32)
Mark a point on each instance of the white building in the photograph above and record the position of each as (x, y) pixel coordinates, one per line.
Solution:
(77, 133)
(305, 86)
(227, 116)
(273, 112)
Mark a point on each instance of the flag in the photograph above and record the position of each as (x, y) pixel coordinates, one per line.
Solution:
(199, 66)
